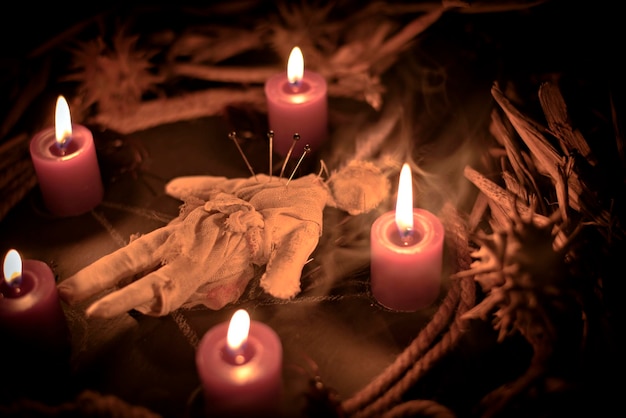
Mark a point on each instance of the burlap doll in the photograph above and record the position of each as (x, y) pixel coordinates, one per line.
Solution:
(226, 227)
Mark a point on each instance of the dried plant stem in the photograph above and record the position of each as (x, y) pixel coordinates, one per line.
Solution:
(619, 135)
(189, 106)
(215, 43)
(242, 75)
(491, 6)
(15, 171)
(545, 156)
(515, 155)
(11, 196)
(502, 201)
(13, 150)
(478, 211)
(404, 37)
(569, 188)
(500, 196)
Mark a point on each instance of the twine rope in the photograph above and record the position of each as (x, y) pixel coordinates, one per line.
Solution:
(381, 396)
(422, 407)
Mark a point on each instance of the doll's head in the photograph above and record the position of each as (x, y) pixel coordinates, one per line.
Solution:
(358, 187)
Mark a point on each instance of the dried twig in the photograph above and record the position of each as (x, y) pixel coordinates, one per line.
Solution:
(213, 44)
(14, 172)
(17, 175)
(188, 106)
(225, 74)
(13, 150)
(21, 186)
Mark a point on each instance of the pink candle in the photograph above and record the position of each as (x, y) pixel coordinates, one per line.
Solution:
(297, 104)
(240, 367)
(406, 253)
(66, 165)
(30, 310)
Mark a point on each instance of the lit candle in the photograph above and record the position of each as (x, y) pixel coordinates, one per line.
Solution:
(406, 253)
(30, 309)
(240, 367)
(297, 104)
(66, 165)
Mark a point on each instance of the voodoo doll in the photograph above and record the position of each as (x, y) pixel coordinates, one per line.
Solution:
(226, 227)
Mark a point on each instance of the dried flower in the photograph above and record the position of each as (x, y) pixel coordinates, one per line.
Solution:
(113, 77)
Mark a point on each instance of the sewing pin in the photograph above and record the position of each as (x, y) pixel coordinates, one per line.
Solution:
(233, 136)
(307, 149)
(270, 137)
(296, 138)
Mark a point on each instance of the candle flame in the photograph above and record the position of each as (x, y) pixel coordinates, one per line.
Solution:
(62, 122)
(238, 330)
(295, 66)
(13, 268)
(404, 203)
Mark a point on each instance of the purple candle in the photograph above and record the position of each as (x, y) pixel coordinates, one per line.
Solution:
(66, 165)
(30, 310)
(240, 366)
(297, 103)
(406, 253)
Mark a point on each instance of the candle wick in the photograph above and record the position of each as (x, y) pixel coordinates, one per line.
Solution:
(295, 85)
(406, 236)
(15, 281)
(270, 137)
(296, 138)
(63, 144)
(233, 136)
(307, 149)
(239, 358)
(238, 355)
(13, 287)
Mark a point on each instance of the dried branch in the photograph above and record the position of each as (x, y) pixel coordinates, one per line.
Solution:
(13, 150)
(21, 185)
(213, 44)
(14, 172)
(240, 75)
(389, 50)
(188, 106)
(492, 6)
